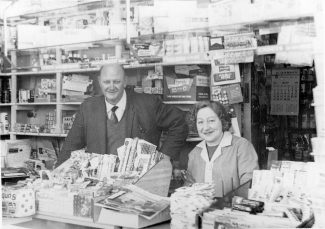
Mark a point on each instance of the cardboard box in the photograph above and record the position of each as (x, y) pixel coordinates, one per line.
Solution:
(187, 89)
(224, 74)
(18, 151)
(18, 202)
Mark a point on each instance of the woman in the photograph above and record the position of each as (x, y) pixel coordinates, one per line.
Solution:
(221, 158)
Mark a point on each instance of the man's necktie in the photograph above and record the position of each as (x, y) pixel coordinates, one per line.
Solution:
(113, 114)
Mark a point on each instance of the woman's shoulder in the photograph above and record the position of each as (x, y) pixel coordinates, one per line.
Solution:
(197, 149)
(236, 140)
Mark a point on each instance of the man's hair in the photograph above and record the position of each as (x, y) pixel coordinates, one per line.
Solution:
(219, 109)
(115, 66)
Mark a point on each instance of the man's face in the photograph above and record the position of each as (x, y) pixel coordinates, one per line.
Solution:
(112, 83)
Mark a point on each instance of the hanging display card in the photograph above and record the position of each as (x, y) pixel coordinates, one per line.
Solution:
(224, 74)
(227, 94)
(285, 92)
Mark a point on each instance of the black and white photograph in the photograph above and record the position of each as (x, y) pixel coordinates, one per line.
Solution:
(162, 114)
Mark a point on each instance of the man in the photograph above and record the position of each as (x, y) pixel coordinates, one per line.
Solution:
(103, 122)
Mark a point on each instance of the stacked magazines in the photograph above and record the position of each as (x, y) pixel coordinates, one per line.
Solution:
(135, 200)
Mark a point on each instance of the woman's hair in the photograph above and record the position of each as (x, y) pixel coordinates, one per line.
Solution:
(219, 109)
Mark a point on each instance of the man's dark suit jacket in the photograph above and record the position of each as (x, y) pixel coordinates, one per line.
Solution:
(146, 119)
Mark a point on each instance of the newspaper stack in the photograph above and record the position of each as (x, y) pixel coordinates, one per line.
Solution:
(187, 202)
(137, 155)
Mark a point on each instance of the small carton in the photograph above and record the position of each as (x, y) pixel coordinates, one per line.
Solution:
(187, 89)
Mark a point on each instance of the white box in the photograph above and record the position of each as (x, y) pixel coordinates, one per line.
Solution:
(18, 202)
(18, 151)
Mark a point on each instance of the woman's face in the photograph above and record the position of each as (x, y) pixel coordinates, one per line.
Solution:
(209, 126)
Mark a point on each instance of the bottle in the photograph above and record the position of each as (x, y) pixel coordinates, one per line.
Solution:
(63, 59)
(45, 59)
(85, 58)
(70, 58)
(75, 58)
(298, 148)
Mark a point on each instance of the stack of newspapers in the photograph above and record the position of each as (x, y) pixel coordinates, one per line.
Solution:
(187, 202)
(137, 155)
(134, 159)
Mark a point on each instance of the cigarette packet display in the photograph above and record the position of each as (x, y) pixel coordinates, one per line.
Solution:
(257, 206)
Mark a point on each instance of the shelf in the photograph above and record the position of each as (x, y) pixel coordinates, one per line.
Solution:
(6, 104)
(150, 65)
(180, 102)
(35, 104)
(4, 134)
(70, 103)
(34, 73)
(80, 70)
(55, 71)
(39, 134)
(5, 74)
(272, 49)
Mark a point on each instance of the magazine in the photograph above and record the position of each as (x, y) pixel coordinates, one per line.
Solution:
(135, 200)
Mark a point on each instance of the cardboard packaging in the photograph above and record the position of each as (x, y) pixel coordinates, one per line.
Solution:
(18, 151)
(18, 202)
(224, 74)
(227, 94)
(186, 89)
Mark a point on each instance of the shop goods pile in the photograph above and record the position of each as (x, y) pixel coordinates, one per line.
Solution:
(80, 180)
(187, 202)
(286, 190)
(134, 159)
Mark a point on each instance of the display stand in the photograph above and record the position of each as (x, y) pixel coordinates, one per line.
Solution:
(156, 181)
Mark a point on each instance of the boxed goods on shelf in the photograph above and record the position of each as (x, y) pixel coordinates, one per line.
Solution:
(194, 87)
(5, 85)
(224, 74)
(75, 87)
(4, 123)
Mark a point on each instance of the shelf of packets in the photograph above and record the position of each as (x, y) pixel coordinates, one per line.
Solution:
(104, 189)
(76, 87)
(289, 195)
